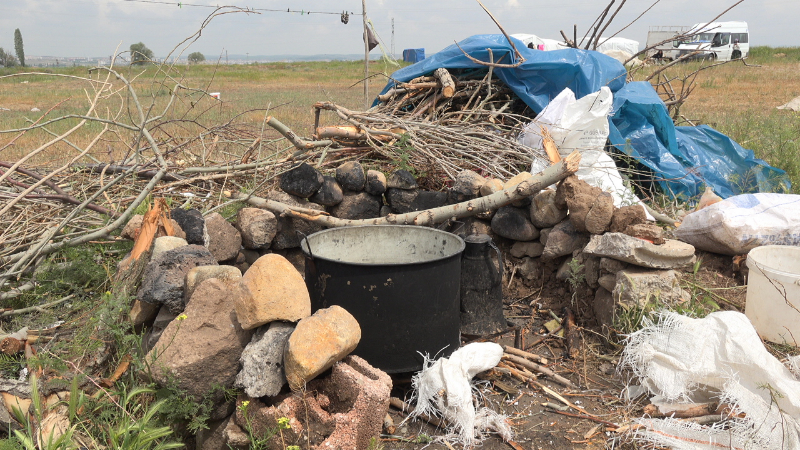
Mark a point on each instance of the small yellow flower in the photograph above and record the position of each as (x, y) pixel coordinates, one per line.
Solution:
(283, 423)
(182, 317)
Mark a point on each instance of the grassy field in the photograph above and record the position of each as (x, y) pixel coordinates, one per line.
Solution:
(737, 100)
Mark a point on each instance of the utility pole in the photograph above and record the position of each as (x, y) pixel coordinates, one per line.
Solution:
(366, 55)
(392, 37)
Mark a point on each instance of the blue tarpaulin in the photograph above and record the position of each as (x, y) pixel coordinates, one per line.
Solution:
(683, 159)
(413, 55)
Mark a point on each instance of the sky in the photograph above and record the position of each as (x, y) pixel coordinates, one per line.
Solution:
(90, 28)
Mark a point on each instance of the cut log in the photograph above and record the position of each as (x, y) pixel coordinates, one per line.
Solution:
(448, 85)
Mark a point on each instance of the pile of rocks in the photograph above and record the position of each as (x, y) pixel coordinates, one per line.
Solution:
(209, 328)
(226, 305)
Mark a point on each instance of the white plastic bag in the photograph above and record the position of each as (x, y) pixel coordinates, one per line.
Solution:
(741, 223)
(719, 358)
(574, 124)
(581, 125)
(443, 389)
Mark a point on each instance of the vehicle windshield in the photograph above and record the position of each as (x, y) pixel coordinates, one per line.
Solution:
(696, 39)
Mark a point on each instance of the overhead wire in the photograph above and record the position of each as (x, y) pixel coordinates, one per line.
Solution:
(287, 10)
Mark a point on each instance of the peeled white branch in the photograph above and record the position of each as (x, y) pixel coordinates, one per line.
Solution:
(533, 184)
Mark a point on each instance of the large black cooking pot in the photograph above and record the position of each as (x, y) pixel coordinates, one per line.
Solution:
(400, 282)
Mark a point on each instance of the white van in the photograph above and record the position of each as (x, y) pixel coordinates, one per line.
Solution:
(721, 41)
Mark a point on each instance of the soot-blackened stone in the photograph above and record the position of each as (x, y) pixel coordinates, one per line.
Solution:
(302, 181)
(330, 194)
(192, 223)
(351, 177)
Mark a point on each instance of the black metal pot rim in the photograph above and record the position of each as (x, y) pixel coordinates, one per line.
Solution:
(304, 246)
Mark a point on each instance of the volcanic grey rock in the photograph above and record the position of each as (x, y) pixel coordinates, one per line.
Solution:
(671, 255)
(192, 223)
(224, 240)
(530, 249)
(467, 185)
(164, 277)
(611, 265)
(376, 182)
(262, 361)
(604, 308)
(329, 194)
(400, 200)
(428, 199)
(562, 240)
(513, 223)
(350, 176)
(358, 205)
(257, 227)
(287, 236)
(530, 269)
(302, 181)
(607, 281)
(591, 270)
(564, 271)
(543, 234)
(402, 179)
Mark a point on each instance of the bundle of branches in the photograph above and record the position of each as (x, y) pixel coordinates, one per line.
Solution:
(448, 122)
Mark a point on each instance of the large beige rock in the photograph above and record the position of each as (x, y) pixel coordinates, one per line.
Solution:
(318, 342)
(200, 349)
(271, 289)
(491, 186)
(229, 275)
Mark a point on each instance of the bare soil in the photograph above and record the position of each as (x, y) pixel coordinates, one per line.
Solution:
(595, 370)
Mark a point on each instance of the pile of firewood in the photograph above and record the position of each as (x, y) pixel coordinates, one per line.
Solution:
(446, 122)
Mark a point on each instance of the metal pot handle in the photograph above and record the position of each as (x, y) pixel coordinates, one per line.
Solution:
(303, 237)
(501, 270)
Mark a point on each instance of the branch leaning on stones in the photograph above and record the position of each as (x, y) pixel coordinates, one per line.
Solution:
(526, 188)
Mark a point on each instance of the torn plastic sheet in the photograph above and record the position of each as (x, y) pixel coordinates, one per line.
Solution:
(443, 388)
(582, 125)
(683, 159)
(719, 357)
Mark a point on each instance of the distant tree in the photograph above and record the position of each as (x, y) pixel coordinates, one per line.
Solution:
(140, 54)
(18, 47)
(196, 57)
(7, 59)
